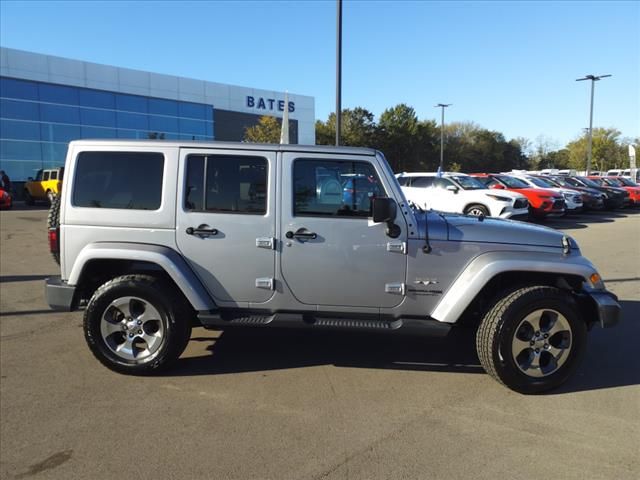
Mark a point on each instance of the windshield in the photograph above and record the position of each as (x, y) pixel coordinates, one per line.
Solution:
(588, 182)
(614, 182)
(468, 183)
(552, 181)
(538, 182)
(628, 182)
(511, 182)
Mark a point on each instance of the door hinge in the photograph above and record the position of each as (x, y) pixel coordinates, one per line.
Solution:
(266, 242)
(395, 288)
(266, 283)
(397, 247)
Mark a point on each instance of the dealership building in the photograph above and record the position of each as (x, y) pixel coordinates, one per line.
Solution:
(47, 101)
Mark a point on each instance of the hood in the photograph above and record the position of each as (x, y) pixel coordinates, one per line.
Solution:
(501, 193)
(537, 192)
(496, 230)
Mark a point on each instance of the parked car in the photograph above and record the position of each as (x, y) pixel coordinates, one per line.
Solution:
(591, 199)
(6, 201)
(45, 186)
(155, 236)
(460, 193)
(572, 198)
(614, 197)
(621, 182)
(542, 203)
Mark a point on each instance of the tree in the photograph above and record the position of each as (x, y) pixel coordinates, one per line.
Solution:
(607, 150)
(358, 129)
(266, 131)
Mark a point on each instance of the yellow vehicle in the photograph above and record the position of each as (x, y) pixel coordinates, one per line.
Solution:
(46, 185)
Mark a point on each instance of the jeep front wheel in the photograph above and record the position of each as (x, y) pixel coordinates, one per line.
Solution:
(136, 324)
(532, 340)
(28, 199)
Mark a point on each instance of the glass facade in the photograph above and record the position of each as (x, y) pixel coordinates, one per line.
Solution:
(38, 120)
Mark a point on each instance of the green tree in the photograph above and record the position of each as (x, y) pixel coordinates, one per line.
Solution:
(607, 150)
(358, 129)
(266, 131)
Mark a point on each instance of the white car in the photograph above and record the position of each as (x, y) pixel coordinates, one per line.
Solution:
(572, 198)
(460, 193)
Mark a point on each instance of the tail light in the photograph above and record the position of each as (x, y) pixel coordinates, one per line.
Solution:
(54, 240)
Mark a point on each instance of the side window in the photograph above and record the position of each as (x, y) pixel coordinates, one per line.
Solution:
(442, 183)
(123, 180)
(403, 181)
(422, 182)
(334, 188)
(54, 175)
(226, 184)
(45, 176)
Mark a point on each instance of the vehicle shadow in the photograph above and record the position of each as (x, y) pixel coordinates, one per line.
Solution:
(22, 278)
(21, 207)
(250, 350)
(610, 360)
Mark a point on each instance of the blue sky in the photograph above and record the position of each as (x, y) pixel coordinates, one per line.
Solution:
(507, 66)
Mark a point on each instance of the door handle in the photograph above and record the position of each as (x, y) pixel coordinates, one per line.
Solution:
(301, 234)
(202, 231)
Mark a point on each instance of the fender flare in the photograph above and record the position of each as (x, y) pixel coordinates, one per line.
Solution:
(484, 267)
(166, 258)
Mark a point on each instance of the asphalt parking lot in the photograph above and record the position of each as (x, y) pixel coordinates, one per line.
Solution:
(303, 405)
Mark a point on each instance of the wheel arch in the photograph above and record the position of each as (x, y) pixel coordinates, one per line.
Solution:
(100, 262)
(487, 276)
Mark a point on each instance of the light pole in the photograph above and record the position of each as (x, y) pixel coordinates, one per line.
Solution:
(443, 106)
(338, 69)
(593, 78)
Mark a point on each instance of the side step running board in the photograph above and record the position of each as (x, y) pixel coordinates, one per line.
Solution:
(294, 320)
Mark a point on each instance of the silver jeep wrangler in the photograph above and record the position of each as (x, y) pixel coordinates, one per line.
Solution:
(155, 236)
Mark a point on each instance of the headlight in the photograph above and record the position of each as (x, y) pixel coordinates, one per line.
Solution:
(499, 198)
(5, 195)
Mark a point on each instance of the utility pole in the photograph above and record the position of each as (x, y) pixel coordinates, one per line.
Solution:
(338, 69)
(593, 78)
(443, 106)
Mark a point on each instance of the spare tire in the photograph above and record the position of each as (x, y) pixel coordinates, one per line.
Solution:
(53, 222)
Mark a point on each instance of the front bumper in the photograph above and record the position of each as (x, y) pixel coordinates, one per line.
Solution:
(607, 308)
(59, 295)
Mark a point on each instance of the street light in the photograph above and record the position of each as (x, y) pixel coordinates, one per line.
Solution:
(338, 69)
(593, 78)
(443, 106)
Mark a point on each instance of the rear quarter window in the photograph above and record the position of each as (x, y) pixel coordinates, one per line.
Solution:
(120, 180)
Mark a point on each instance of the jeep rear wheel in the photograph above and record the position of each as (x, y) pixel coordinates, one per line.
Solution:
(532, 340)
(137, 324)
(477, 210)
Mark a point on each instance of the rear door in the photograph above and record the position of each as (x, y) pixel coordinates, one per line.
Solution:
(226, 222)
(333, 254)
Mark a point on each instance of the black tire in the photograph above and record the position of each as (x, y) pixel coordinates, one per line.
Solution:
(53, 222)
(476, 210)
(174, 322)
(503, 326)
(28, 199)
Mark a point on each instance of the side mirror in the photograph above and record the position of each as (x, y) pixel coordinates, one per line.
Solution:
(497, 186)
(30, 179)
(452, 188)
(384, 209)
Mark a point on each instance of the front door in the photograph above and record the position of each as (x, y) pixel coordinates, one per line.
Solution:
(333, 254)
(226, 222)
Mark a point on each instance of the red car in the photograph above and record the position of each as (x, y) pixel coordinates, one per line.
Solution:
(621, 182)
(5, 199)
(542, 203)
